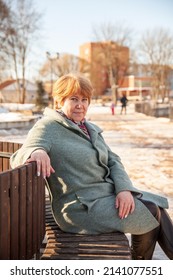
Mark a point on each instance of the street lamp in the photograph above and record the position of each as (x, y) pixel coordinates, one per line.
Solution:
(52, 59)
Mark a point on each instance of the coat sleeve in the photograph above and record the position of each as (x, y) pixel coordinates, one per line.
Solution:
(118, 174)
(39, 137)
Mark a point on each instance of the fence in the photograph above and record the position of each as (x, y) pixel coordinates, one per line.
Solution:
(22, 208)
(156, 110)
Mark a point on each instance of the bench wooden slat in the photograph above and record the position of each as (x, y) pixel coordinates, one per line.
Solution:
(80, 257)
(34, 214)
(10, 147)
(88, 250)
(1, 167)
(5, 217)
(96, 241)
(22, 212)
(29, 211)
(51, 255)
(14, 214)
(41, 211)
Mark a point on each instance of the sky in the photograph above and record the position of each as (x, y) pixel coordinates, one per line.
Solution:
(67, 24)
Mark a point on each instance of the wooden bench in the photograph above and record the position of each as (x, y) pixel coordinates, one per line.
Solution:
(62, 245)
(26, 218)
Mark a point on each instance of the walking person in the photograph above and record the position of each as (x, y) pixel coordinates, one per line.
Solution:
(91, 193)
(123, 101)
(113, 108)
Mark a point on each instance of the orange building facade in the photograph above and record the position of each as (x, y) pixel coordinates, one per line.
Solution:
(106, 60)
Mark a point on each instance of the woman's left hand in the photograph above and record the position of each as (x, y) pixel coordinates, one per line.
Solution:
(125, 202)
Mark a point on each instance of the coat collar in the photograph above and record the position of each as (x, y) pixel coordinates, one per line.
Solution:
(92, 128)
(51, 113)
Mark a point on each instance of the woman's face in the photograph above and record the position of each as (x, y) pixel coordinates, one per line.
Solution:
(75, 107)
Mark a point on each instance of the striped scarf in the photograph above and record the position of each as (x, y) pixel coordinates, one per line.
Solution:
(80, 124)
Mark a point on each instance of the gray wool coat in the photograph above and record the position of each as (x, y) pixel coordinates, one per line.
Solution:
(87, 179)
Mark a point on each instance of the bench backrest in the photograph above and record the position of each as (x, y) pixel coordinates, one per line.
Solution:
(22, 208)
(7, 148)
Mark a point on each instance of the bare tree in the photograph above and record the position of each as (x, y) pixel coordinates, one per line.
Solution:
(157, 53)
(70, 63)
(57, 65)
(22, 26)
(64, 64)
(114, 55)
(4, 19)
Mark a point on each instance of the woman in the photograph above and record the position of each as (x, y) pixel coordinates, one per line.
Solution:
(90, 191)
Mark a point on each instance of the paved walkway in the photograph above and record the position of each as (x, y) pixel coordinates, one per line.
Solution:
(145, 146)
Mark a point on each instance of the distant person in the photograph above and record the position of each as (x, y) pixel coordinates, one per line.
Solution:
(90, 190)
(113, 108)
(123, 101)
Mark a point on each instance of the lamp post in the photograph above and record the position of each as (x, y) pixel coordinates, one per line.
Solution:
(52, 59)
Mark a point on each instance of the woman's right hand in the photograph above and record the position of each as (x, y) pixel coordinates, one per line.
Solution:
(43, 163)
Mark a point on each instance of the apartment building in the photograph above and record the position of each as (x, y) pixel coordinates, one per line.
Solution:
(108, 64)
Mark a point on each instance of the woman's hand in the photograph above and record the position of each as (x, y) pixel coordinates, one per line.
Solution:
(125, 202)
(43, 163)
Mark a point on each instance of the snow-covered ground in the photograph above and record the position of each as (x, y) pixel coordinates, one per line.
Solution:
(144, 143)
(6, 107)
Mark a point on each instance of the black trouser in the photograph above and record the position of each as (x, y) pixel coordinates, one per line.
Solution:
(143, 245)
